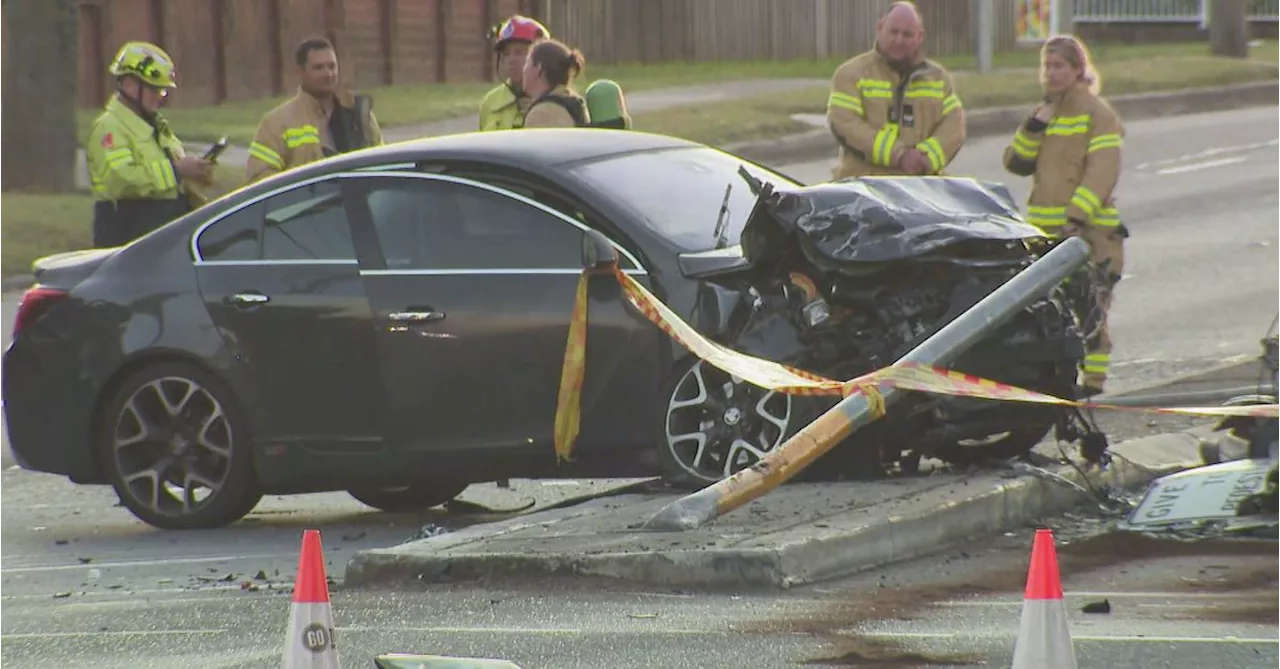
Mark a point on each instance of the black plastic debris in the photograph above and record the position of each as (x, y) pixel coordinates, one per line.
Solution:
(1103, 606)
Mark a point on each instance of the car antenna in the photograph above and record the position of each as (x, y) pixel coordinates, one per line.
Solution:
(722, 222)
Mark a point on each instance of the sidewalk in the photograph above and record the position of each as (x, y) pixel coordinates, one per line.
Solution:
(799, 534)
(638, 102)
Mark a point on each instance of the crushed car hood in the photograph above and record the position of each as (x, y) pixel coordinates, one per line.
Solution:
(881, 219)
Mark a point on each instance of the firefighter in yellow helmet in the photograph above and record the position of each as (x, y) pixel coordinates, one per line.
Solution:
(504, 107)
(137, 167)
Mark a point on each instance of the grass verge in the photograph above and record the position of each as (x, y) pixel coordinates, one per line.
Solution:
(767, 116)
(411, 105)
(37, 225)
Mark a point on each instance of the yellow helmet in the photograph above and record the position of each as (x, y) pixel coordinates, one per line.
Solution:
(146, 61)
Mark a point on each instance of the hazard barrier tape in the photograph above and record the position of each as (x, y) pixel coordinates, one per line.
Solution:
(781, 378)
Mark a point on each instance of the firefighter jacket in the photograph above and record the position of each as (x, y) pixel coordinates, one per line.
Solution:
(502, 109)
(302, 131)
(129, 158)
(1073, 161)
(561, 107)
(877, 112)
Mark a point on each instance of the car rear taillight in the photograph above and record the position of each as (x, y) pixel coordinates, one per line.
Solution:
(35, 303)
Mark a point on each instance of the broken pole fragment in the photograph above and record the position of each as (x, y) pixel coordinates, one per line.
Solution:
(856, 411)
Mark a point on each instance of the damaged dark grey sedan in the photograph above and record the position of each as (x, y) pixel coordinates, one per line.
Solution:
(392, 323)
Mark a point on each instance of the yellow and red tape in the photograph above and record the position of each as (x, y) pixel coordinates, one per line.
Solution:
(791, 381)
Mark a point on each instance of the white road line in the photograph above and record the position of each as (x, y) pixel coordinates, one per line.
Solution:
(146, 563)
(1194, 167)
(1216, 596)
(558, 631)
(1122, 638)
(125, 593)
(1210, 152)
(64, 635)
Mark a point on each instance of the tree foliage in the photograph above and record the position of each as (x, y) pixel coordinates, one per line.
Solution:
(38, 113)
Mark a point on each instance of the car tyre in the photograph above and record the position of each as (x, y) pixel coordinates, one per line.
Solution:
(704, 408)
(170, 431)
(406, 499)
(1016, 443)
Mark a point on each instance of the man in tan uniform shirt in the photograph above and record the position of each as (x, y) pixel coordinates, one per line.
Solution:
(320, 121)
(892, 111)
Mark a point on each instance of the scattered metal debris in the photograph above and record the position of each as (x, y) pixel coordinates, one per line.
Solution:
(427, 531)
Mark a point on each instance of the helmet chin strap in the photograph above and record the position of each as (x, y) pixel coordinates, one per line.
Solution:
(134, 102)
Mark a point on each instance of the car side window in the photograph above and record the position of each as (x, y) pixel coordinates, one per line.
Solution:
(307, 223)
(234, 237)
(438, 225)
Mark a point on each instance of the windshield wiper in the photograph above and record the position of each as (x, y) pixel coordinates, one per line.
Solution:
(722, 222)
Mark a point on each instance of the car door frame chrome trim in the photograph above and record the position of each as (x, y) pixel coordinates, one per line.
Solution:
(389, 171)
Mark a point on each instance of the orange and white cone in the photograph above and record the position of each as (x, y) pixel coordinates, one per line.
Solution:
(309, 643)
(1044, 640)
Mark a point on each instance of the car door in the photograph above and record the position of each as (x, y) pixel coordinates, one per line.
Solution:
(280, 280)
(472, 302)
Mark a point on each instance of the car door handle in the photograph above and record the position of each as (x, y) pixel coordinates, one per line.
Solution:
(247, 299)
(415, 316)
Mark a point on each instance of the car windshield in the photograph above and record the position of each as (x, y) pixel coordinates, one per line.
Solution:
(678, 193)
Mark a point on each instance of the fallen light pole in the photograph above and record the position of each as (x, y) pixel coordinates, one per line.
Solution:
(853, 412)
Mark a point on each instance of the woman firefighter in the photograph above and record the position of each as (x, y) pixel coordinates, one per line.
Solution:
(1071, 146)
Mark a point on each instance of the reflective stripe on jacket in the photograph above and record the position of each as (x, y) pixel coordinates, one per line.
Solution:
(296, 133)
(126, 156)
(876, 112)
(500, 109)
(1073, 160)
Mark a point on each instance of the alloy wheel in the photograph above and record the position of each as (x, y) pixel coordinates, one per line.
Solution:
(717, 424)
(172, 444)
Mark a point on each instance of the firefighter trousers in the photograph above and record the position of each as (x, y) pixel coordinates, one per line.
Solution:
(120, 222)
(1106, 245)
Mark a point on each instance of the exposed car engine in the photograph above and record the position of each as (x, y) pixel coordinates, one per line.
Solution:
(852, 275)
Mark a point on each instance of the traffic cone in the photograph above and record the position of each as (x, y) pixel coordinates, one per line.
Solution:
(1044, 641)
(310, 643)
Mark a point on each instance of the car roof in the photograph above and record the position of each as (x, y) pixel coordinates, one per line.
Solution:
(528, 148)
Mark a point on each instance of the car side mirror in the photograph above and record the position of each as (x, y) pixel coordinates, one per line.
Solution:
(597, 251)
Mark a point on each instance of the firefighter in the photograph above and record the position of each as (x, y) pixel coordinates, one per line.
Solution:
(1070, 146)
(606, 105)
(137, 167)
(321, 120)
(503, 108)
(548, 71)
(892, 111)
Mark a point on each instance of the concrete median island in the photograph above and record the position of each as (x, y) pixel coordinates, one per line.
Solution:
(798, 534)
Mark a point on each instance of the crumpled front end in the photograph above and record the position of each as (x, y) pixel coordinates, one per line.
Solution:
(847, 277)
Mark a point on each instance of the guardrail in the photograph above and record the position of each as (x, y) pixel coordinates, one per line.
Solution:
(1163, 11)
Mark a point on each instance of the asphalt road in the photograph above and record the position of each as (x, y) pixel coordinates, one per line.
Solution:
(1199, 195)
(85, 582)
(1174, 605)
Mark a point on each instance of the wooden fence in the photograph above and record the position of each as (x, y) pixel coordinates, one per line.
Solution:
(650, 31)
(242, 49)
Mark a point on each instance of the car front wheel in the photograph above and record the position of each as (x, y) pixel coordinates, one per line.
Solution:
(714, 424)
(176, 449)
(406, 499)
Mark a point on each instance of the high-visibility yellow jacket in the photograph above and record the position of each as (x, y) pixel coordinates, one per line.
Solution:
(1073, 161)
(297, 132)
(877, 112)
(500, 109)
(127, 156)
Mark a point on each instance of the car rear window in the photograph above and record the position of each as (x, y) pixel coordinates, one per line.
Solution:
(677, 193)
